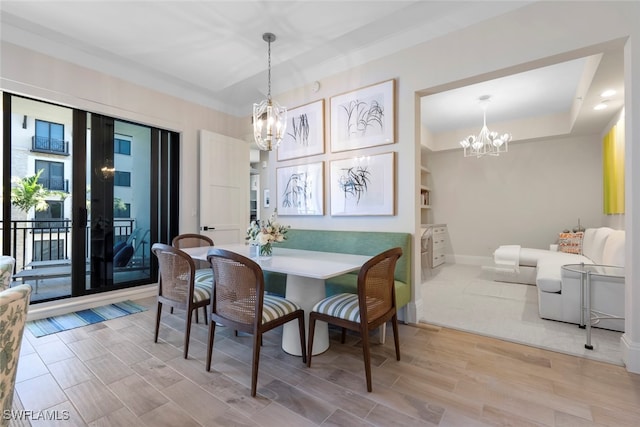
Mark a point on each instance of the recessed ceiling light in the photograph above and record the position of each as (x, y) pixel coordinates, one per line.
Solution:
(607, 93)
(600, 106)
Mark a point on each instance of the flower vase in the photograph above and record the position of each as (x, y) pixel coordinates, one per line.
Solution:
(266, 250)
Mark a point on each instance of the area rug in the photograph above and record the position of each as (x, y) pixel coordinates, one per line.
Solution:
(464, 297)
(51, 325)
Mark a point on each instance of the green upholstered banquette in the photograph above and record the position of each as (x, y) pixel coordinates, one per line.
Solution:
(348, 242)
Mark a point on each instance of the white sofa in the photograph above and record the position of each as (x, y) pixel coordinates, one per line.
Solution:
(558, 289)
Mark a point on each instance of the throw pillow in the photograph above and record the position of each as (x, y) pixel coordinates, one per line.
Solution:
(570, 242)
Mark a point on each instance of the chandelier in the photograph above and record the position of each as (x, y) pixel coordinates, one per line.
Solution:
(486, 143)
(269, 118)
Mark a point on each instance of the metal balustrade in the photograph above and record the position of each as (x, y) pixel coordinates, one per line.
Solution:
(45, 144)
(50, 239)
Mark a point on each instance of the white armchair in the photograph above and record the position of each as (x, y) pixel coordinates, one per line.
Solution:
(6, 270)
(14, 303)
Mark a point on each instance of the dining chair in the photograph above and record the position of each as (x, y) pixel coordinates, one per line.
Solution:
(204, 275)
(370, 308)
(239, 302)
(176, 286)
(14, 304)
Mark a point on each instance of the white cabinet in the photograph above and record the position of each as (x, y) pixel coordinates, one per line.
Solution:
(433, 244)
(438, 243)
(434, 236)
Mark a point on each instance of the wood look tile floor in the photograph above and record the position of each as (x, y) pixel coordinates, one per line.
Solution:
(113, 374)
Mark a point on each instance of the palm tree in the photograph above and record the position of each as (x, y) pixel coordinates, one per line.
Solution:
(28, 193)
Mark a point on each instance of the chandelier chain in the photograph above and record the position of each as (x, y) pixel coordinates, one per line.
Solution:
(269, 72)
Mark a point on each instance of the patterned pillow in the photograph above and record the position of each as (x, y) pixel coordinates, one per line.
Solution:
(570, 242)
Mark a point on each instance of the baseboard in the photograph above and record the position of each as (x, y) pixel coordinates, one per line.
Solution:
(412, 312)
(630, 354)
(69, 305)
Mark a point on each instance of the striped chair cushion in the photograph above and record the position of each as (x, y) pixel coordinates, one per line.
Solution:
(204, 276)
(343, 306)
(201, 293)
(203, 285)
(275, 307)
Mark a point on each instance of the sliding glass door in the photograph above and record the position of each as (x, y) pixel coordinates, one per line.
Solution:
(118, 203)
(95, 194)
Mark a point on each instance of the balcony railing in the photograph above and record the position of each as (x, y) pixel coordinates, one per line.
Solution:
(44, 144)
(38, 240)
(56, 184)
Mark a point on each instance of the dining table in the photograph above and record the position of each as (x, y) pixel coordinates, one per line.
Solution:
(306, 272)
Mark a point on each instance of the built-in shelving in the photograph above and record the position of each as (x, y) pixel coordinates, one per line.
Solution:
(254, 197)
(424, 198)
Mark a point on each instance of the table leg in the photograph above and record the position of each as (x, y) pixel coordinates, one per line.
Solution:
(582, 302)
(305, 292)
(588, 345)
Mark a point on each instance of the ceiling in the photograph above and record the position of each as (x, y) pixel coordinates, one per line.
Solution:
(212, 52)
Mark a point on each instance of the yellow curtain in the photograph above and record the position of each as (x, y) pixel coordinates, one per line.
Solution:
(613, 169)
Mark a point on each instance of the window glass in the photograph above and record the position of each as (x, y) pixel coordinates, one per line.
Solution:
(52, 177)
(122, 210)
(122, 146)
(49, 137)
(54, 212)
(122, 179)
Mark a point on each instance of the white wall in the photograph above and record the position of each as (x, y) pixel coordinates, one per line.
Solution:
(525, 196)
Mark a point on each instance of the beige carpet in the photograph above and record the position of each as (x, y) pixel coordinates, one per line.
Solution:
(464, 297)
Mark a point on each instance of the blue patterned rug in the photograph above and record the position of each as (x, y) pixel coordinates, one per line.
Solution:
(64, 322)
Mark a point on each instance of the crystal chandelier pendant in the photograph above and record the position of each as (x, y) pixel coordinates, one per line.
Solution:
(269, 118)
(269, 123)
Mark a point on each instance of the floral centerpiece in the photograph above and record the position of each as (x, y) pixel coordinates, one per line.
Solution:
(265, 233)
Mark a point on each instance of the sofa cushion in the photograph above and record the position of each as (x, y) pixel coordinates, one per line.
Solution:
(549, 271)
(529, 256)
(593, 243)
(613, 253)
(354, 242)
(275, 283)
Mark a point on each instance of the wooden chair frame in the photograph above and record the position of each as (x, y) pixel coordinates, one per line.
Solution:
(188, 304)
(366, 324)
(218, 258)
(193, 240)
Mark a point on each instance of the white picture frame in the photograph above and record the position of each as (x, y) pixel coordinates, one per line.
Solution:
(363, 185)
(364, 117)
(266, 198)
(304, 135)
(300, 189)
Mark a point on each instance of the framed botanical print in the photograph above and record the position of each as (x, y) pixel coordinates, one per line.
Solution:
(363, 185)
(304, 135)
(300, 189)
(364, 117)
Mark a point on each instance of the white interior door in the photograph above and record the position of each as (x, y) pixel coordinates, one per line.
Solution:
(224, 187)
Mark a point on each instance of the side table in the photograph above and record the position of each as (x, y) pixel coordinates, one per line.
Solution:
(587, 271)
